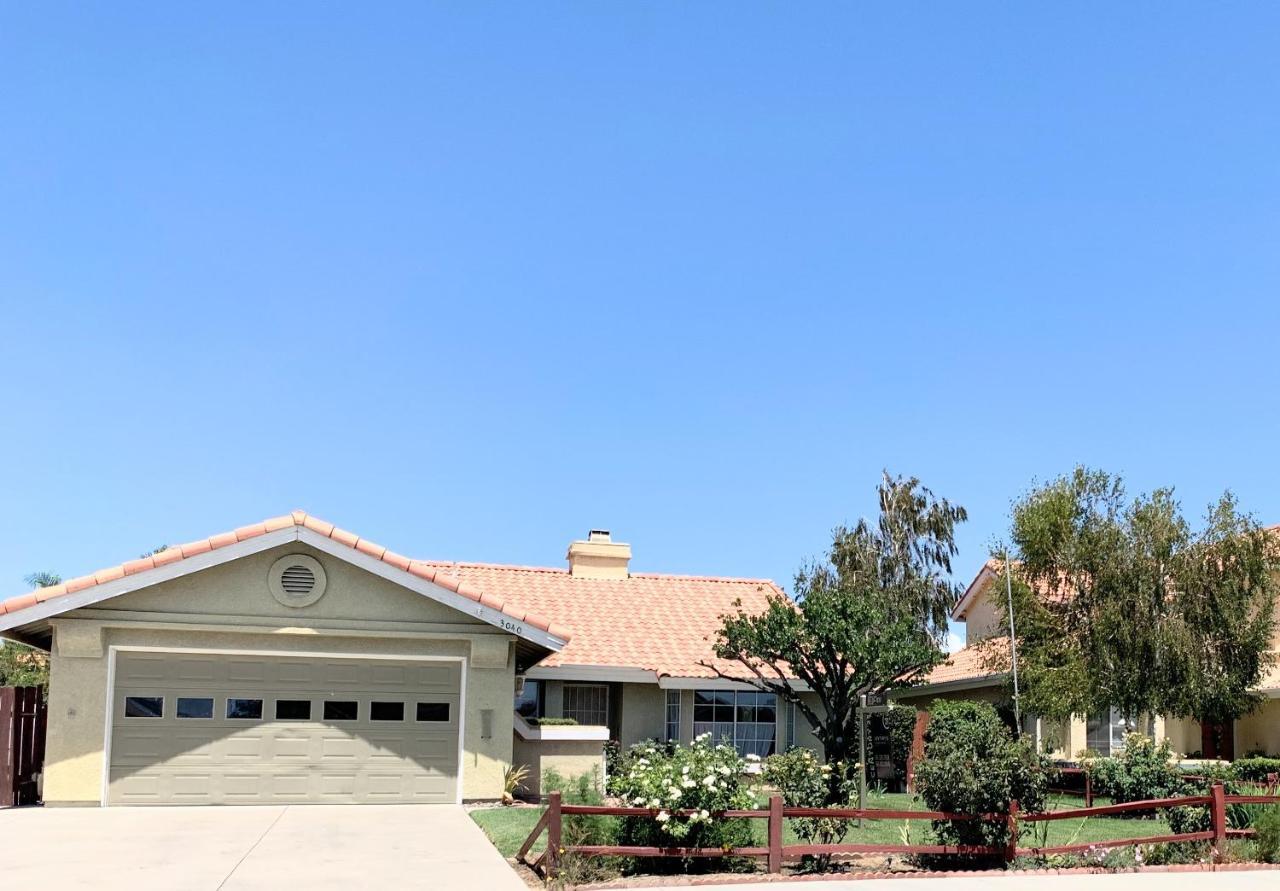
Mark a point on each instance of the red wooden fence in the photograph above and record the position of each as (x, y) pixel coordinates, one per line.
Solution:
(775, 853)
(23, 716)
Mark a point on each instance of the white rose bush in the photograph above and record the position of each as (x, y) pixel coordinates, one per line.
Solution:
(687, 788)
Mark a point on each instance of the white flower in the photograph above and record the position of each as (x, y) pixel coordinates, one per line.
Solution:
(753, 757)
(702, 814)
(639, 802)
(724, 771)
(710, 781)
(688, 783)
(655, 802)
(662, 817)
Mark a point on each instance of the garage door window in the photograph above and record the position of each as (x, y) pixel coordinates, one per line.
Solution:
(189, 707)
(386, 711)
(244, 709)
(293, 709)
(341, 710)
(433, 711)
(144, 706)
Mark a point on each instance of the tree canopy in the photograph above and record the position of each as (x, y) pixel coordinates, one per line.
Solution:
(21, 665)
(1120, 604)
(869, 618)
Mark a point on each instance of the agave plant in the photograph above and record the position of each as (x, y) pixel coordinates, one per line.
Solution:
(512, 780)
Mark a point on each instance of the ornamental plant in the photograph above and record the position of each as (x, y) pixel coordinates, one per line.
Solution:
(804, 780)
(1144, 770)
(974, 765)
(701, 779)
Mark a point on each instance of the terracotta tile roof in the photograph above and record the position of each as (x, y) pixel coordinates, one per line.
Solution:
(660, 623)
(969, 663)
(432, 572)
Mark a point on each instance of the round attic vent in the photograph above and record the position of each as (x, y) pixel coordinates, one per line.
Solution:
(296, 580)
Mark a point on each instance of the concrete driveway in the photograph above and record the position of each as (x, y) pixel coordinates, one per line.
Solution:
(304, 847)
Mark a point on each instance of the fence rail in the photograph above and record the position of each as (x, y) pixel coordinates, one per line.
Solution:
(775, 853)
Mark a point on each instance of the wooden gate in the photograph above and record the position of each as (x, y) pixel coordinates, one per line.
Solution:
(23, 716)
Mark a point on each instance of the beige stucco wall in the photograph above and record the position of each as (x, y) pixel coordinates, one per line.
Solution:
(229, 607)
(1260, 730)
(982, 619)
(642, 713)
(569, 758)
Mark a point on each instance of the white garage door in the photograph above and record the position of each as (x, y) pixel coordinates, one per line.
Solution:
(191, 728)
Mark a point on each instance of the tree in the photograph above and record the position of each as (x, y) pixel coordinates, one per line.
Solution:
(868, 619)
(1120, 604)
(21, 665)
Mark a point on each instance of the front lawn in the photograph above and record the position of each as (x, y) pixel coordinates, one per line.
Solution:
(507, 828)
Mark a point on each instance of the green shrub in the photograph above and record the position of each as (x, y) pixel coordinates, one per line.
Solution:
(701, 777)
(974, 765)
(1254, 770)
(804, 781)
(582, 830)
(1144, 770)
(552, 722)
(1267, 824)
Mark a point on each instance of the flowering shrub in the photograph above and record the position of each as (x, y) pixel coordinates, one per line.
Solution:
(1144, 770)
(701, 778)
(803, 780)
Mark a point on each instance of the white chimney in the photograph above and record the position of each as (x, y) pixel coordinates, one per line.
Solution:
(599, 557)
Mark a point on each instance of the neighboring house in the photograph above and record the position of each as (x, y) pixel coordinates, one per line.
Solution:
(292, 661)
(966, 676)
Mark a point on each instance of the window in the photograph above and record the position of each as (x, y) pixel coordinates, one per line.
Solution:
(586, 703)
(244, 709)
(673, 715)
(529, 702)
(1106, 732)
(747, 720)
(341, 710)
(386, 711)
(144, 706)
(293, 709)
(433, 711)
(194, 708)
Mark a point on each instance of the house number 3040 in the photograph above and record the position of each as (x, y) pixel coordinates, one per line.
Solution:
(511, 626)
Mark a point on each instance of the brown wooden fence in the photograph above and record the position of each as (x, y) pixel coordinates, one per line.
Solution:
(23, 716)
(775, 853)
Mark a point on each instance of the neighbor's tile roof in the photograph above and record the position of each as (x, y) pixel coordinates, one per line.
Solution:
(970, 663)
(661, 623)
(492, 598)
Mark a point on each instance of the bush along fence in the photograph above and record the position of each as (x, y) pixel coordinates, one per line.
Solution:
(774, 854)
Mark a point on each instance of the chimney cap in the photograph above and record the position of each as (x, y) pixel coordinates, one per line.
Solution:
(599, 535)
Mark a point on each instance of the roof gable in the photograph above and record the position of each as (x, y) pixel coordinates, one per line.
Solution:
(424, 578)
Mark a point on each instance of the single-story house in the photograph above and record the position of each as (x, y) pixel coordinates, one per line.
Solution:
(968, 674)
(293, 661)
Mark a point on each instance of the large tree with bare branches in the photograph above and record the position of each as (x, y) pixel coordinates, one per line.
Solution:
(869, 618)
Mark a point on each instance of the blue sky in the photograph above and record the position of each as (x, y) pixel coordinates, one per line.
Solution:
(470, 279)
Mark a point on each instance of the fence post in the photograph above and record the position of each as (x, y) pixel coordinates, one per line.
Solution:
(1088, 788)
(775, 833)
(1218, 817)
(553, 834)
(9, 754)
(1011, 822)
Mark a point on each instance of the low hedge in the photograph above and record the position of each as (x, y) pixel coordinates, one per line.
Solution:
(1254, 770)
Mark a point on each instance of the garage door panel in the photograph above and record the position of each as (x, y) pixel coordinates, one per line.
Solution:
(217, 760)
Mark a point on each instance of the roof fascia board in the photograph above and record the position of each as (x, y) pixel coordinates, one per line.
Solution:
(598, 673)
(408, 580)
(989, 680)
(675, 683)
(145, 579)
(970, 593)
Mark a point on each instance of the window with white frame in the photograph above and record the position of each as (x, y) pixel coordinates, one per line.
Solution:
(1105, 732)
(791, 724)
(673, 715)
(586, 703)
(745, 719)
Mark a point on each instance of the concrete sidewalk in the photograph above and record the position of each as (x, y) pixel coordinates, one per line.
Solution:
(207, 848)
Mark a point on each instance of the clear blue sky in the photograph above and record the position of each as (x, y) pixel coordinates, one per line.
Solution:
(470, 279)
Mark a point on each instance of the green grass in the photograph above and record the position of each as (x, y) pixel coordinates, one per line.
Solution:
(507, 828)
